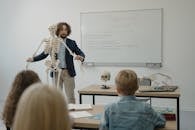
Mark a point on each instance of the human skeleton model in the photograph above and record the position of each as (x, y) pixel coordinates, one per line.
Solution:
(52, 45)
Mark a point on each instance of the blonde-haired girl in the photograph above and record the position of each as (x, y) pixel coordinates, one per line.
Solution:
(42, 108)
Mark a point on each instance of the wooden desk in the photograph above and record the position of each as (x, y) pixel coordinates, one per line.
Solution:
(87, 123)
(95, 90)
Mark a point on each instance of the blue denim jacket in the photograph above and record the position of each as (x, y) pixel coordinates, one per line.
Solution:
(128, 113)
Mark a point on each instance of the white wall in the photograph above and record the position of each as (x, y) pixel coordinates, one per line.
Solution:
(24, 24)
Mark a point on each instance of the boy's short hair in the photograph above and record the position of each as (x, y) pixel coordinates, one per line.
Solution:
(126, 81)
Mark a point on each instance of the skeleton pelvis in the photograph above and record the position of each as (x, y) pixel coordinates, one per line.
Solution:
(52, 65)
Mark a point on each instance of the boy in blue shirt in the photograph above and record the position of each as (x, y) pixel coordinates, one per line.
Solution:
(128, 113)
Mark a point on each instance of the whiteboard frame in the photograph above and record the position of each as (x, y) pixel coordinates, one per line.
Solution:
(130, 64)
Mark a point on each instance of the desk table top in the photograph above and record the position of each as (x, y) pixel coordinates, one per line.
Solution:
(97, 90)
(93, 123)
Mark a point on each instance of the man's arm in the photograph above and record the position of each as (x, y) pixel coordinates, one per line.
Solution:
(78, 51)
(40, 57)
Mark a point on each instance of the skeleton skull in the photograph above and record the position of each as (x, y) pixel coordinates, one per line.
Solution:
(52, 30)
(105, 76)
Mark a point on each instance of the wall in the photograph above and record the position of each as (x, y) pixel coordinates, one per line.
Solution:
(24, 24)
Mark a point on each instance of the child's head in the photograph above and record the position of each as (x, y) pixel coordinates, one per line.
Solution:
(126, 82)
(22, 81)
(41, 107)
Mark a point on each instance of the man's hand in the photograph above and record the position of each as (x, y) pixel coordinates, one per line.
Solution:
(30, 59)
(78, 57)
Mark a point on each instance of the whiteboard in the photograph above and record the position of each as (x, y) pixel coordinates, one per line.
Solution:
(131, 37)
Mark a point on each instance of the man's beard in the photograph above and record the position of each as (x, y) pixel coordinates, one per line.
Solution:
(63, 36)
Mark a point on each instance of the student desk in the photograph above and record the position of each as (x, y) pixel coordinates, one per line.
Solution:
(96, 90)
(88, 123)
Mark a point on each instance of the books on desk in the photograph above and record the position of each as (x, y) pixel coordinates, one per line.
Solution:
(80, 114)
(77, 107)
(76, 110)
(97, 116)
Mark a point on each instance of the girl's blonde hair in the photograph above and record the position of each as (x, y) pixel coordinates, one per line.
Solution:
(126, 81)
(42, 108)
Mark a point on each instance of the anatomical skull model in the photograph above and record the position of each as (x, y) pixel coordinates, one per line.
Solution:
(105, 76)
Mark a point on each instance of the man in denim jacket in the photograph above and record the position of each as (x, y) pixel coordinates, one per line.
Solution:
(128, 113)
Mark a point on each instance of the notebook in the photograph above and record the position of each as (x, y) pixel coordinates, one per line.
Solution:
(79, 107)
(80, 114)
(159, 89)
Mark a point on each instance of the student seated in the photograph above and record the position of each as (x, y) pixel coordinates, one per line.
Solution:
(128, 113)
(22, 80)
(42, 107)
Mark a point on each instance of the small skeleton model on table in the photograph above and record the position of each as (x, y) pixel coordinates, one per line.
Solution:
(105, 76)
(52, 45)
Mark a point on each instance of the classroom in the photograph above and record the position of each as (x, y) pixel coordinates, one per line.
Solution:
(154, 38)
